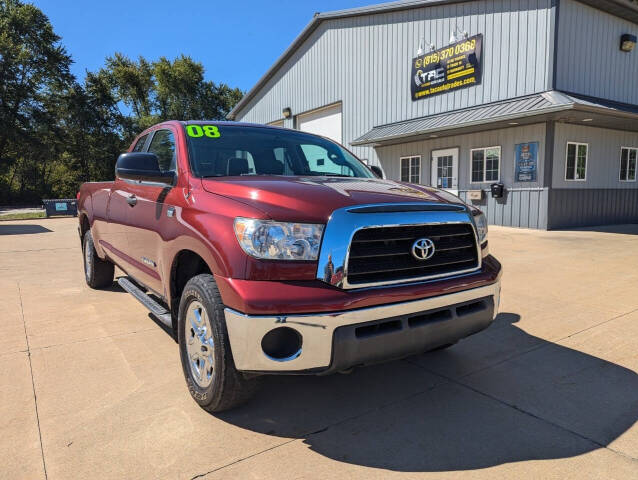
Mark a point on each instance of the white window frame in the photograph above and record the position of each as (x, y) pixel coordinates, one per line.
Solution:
(576, 160)
(410, 157)
(500, 158)
(620, 165)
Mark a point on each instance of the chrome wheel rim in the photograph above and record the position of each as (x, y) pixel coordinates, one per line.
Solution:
(199, 344)
(87, 259)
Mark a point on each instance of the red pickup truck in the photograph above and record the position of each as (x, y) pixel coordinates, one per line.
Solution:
(273, 251)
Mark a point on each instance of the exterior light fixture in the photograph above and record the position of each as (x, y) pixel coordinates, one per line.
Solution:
(587, 119)
(513, 123)
(286, 112)
(627, 42)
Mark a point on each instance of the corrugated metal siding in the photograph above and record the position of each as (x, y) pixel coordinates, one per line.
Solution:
(525, 204)
(603, 162)
(525, 207)
(589, 60)
(365, 63)
(586, 207)
(506, 138)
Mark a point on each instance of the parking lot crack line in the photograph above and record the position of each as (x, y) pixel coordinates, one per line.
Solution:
(35, 397)
(37, 250)
(201, 475)
(597, 325)
(324, 429)
(84, 340)
(4, 354)
(525, 412)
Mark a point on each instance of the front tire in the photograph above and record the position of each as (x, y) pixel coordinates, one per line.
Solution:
(97, 272)
(207, 360)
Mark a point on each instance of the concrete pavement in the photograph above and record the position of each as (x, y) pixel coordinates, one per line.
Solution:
(92, 387)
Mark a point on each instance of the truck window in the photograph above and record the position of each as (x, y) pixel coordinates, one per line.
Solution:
(320, 161)
(228, 150)
(139, 145)
(249, 159)
(163, 145)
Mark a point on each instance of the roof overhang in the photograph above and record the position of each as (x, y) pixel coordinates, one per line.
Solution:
(621, 8)
(544, 107)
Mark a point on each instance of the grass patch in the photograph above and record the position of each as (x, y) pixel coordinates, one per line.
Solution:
(22, 216)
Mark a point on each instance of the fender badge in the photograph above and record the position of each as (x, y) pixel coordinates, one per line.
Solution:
(149, 262)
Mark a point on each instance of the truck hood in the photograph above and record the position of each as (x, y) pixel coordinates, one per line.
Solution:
(313, 199)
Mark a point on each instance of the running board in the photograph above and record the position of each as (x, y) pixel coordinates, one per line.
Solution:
(155, 308)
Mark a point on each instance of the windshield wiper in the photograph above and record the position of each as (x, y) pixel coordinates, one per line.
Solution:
(214, 175)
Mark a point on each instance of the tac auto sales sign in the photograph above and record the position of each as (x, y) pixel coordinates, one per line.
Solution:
(456, 66)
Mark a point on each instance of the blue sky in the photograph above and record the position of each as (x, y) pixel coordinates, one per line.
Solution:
(235, 40)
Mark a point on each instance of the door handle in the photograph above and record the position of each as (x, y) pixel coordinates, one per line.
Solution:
(131, 200)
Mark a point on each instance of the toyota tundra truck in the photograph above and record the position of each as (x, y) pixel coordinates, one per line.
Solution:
(273, 251)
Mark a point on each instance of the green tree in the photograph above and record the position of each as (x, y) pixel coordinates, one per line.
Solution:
(182, 93)
(56, 132)
(166, 90)
(34, 67)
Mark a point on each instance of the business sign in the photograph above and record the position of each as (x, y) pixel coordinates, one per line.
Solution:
(451, 68)
(526, 162)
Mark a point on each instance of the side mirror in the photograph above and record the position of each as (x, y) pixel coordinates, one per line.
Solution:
(377, 171)
(142, 167)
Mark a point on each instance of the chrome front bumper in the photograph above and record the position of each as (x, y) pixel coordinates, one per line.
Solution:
(317, 330)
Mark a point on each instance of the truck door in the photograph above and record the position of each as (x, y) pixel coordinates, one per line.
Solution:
(118, 213)
(153, 215)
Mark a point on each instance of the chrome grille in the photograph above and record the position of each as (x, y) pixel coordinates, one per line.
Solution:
(384, 254)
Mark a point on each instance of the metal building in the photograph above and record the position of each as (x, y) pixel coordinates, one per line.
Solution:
(540, 96)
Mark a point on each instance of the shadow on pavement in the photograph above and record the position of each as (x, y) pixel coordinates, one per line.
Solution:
(625, 229)
(22, 229)
(551, 402)
(168, 331)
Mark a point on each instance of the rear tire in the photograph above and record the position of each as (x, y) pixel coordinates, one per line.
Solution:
(207, 360)
(97, 272)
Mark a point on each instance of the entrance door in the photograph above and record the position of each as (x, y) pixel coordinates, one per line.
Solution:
(445, 169)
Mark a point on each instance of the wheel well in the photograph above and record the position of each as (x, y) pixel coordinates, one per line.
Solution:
(186, 265)
(84, 226)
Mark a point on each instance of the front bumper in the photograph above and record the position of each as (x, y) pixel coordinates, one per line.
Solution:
(333, 341)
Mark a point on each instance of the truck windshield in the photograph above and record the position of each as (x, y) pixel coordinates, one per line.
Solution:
(218, 150)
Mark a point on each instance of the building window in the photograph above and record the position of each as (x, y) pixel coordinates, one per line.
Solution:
(576, 162)
(628, 158)
(485, 164)
(411, 169)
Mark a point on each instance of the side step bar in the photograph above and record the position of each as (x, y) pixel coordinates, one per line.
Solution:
(155, 308)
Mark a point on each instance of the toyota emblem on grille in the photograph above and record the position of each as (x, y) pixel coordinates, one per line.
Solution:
(423, 249)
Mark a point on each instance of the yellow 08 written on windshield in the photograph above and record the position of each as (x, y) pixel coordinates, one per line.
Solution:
(196, 131)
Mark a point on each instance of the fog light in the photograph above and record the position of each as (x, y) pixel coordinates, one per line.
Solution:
(282, 344)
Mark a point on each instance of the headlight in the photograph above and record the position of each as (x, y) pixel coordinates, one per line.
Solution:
(278, 240)
(480, 221)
